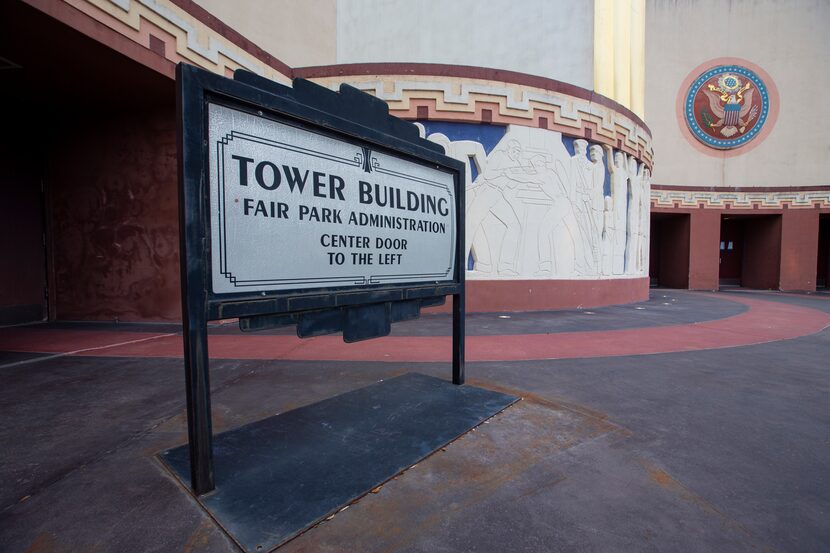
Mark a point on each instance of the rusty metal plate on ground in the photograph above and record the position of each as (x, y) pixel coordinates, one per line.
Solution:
(281, 475)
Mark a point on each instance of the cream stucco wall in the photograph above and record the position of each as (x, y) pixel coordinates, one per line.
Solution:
(297, 32)
(550, 38)
(789, 40)
(619, 52)
(597, 45)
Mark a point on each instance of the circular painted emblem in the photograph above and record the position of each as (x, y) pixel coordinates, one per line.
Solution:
(726, 106)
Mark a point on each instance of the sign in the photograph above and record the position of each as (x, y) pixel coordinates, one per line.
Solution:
(304, 206)
(293, 209)
(726, 106)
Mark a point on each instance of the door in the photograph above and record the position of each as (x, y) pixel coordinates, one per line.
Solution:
(731, 251)
(823, 251)
(22, 238)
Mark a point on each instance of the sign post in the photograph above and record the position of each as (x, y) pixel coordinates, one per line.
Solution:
(308, 207)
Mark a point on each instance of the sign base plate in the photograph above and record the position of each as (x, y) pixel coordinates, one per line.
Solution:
(281, 475)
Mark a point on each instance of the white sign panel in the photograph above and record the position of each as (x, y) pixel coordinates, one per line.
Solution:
(291, 209)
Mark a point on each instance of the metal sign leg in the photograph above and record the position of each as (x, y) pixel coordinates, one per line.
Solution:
(458, 333)
(199, 428)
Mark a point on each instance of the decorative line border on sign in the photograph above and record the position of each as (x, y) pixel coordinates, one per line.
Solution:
(223, 249)
(356, 161)
(442, 186)
(379, 279)
(404, 176)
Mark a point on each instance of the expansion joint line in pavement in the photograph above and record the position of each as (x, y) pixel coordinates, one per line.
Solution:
(89, 351)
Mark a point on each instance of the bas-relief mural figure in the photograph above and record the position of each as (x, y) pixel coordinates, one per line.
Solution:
(535, 211)
(645, 220)
(493, 194)
(470, 153)
(559, 232)
(619, 208)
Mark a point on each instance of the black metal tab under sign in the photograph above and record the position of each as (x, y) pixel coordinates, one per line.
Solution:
(281, 475)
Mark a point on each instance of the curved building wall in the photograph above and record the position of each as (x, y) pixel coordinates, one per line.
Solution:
(558, 173)
(558, 179)
(487, 33)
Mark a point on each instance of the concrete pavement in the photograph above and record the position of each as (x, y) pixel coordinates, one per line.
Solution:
(720, 446)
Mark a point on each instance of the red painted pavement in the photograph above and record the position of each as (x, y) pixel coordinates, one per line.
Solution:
(764, 321)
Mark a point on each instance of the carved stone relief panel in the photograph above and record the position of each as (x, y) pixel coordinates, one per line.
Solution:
(540, 207)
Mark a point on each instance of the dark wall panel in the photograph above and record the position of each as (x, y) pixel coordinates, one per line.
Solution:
(762, 252)
(703, 249)
(799, 247)
(23, 265)
(674, 251)
(114, 218)
(731, 250)
(823, 258)
(654, 252)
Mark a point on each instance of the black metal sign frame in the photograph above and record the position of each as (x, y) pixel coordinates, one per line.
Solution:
(361, 312)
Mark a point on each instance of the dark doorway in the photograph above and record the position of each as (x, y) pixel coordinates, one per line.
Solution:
(731, 251)
(88, 218)
(822, 269)
(750, 251)
(669, 250)
(22, 234)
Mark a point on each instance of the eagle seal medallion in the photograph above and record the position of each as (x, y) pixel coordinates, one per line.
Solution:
(726, 106)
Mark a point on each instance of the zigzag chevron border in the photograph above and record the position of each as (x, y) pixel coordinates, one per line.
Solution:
(165, 28)
(449, 98)
(739, 200)
(185, 38)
